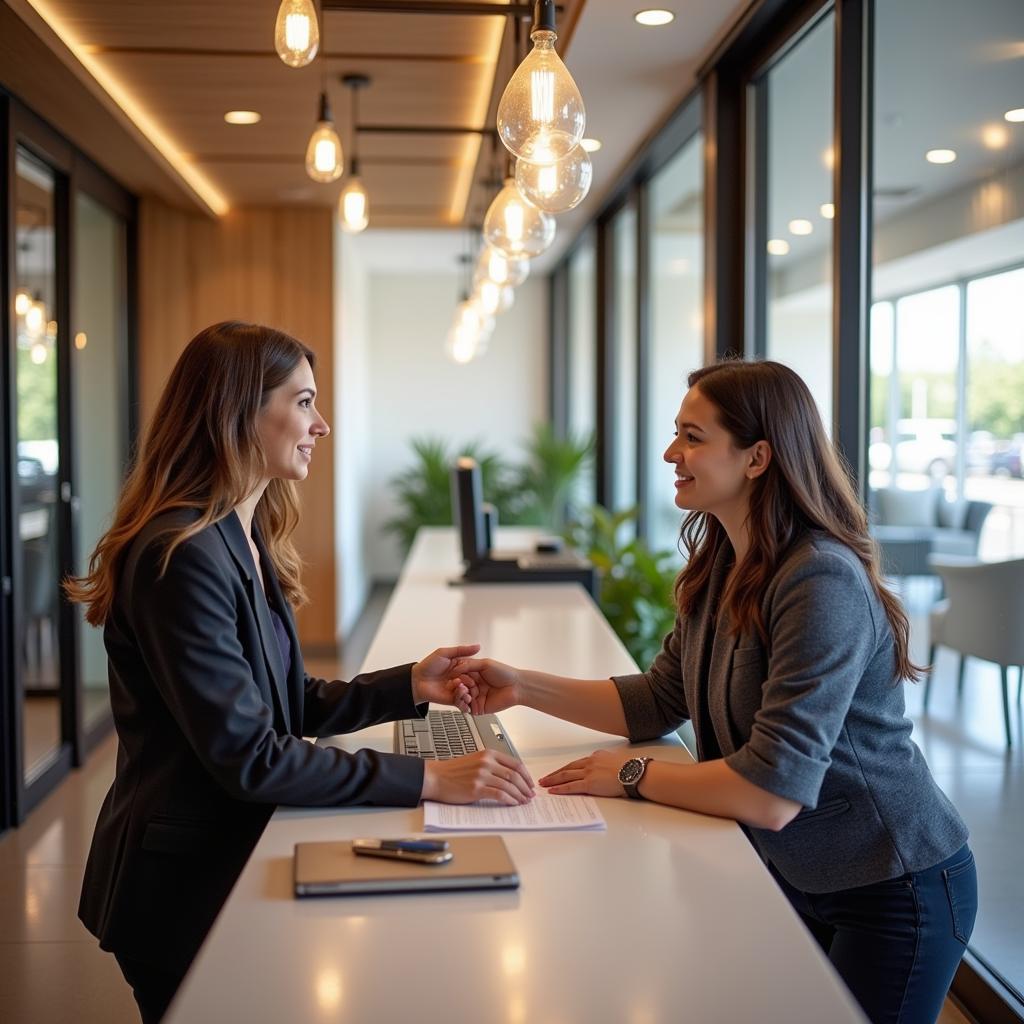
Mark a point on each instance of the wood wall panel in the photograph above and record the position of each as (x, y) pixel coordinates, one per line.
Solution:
(267, 265)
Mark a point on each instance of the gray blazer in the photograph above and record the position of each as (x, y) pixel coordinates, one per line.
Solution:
(815, 716)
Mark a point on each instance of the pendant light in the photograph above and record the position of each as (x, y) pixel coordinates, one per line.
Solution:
(354, 204)
(515, 227)
(557, 187)
(541, 116)
(35, 317)
(502, 269)
(296, 33)
(324, 160)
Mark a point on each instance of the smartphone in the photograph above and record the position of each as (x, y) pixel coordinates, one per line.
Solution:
(423, 851)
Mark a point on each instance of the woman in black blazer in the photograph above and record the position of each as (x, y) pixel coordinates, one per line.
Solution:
(194, 585)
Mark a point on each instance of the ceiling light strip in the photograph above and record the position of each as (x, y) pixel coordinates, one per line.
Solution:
(478, 115)
(209, 195)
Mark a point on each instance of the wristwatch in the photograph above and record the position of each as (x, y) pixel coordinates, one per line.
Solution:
(631, 773)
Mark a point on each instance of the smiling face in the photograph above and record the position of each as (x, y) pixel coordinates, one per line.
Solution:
(288, 425)
(712, 474)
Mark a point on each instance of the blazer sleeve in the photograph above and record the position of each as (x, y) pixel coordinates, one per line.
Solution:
(185, 625)
(330, 708)
(653, 701)
(822, 636)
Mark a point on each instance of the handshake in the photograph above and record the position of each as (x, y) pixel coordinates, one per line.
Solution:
(477, 686)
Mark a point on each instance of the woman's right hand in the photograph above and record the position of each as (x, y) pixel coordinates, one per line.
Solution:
(484, 775)
(493, 686)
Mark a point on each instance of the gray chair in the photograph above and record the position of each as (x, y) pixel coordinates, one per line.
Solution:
(910, 526)
(982, 617)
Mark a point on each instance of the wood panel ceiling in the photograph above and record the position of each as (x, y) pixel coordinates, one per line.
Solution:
(186, 63)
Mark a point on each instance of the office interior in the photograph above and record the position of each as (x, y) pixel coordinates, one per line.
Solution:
(835, 185)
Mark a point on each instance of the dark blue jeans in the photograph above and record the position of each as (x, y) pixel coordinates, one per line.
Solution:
(896, 944)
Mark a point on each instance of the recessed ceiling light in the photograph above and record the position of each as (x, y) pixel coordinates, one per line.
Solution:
(800, 227)
(654, 16)
(591, 145)
(1016, 116)
(940, 156)
(828, 210)
(243, 117)
(778, 246)
(995, 136)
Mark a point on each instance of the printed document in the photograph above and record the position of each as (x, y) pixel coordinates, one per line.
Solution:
(543, 813)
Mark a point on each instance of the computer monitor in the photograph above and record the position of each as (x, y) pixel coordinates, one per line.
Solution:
(474, 518)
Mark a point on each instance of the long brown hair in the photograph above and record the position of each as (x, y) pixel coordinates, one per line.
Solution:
(202, 452)
(806, 486)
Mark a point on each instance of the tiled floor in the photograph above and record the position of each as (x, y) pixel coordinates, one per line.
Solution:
(51, 969)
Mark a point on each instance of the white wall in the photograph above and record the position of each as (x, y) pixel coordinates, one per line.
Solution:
(351, 428)
(415, 391)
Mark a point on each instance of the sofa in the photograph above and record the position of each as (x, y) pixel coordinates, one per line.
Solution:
(910, 526)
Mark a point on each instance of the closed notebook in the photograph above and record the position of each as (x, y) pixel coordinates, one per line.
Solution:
(332, 869)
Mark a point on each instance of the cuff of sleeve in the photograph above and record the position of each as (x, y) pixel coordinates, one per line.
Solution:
(637, 705)
(397, 684)
(788, 774)
(409, 785)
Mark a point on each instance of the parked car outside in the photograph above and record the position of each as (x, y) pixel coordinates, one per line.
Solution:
(922, 446)
(1007, 459)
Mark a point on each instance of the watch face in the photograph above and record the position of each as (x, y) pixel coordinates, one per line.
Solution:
(632, 770)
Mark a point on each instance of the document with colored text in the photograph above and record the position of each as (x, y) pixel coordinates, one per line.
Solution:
(543, 813)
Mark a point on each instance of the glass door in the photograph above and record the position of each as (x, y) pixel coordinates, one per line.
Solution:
(36, 494)
(99, 367)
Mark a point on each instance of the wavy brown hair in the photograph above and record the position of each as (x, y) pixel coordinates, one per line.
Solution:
(201, 451)
(806, 486)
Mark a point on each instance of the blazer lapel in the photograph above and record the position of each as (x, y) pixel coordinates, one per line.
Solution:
(295, 675)
(234, 536)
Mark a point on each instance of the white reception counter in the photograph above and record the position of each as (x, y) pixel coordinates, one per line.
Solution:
(667, 916)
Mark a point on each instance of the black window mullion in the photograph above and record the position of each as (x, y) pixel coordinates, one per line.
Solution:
(851, 246)
(643, 341)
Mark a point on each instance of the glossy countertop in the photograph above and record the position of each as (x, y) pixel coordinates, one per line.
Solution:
(666, 916)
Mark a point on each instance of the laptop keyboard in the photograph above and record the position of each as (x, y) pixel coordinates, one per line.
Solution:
(440, 736)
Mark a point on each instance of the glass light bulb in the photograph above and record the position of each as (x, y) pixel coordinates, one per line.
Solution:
(515, 227)
(354, 207)
(556, 187)
(461, 343)
(296, 32)
(22, 303)
(38, 353)
(541, 116)
(502, 269)
(488, 297)
(323, 154)
(35, 319)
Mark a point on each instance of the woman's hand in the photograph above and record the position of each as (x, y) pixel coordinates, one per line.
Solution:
(597, 775)
(485, 775)
(492, 686)
(433, 678)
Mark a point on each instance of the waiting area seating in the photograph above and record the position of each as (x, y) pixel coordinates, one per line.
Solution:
(912, 526)
(981, 617)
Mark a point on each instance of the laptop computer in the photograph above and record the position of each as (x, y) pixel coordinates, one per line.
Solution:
(447, 733)
(332, 869)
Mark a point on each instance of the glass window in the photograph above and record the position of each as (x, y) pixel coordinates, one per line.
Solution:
(624, 429)
(947, 419)
(98, 358)
(38, 450)
(797, 133)
(582, 416)
(676, 346)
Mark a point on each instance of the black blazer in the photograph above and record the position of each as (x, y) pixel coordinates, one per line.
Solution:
(210, 734)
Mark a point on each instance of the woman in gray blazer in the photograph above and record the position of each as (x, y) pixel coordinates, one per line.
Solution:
(194, 585)
(788, 654)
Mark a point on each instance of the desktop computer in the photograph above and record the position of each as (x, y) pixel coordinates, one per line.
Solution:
(477, 522)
